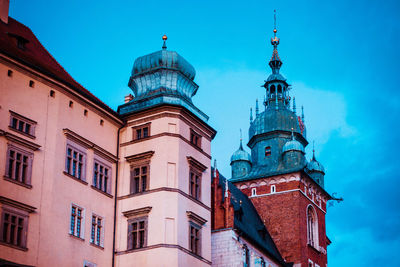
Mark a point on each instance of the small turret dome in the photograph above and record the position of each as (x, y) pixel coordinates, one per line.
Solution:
(240, 154)
(315, 166)
(293, 145)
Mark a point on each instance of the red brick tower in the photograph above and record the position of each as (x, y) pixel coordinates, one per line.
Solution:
(287, 191)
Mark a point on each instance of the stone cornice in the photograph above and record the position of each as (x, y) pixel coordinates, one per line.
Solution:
(16, 204)
(196, 164)
(21, 141)
(140, 157)
(195, 218)
(137, 212)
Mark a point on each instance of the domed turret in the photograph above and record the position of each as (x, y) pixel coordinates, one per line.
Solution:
(159, 78)
(293, 153)
(316, 170)
(240, 162)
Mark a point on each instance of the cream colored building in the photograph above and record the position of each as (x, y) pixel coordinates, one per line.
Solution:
(81, 180)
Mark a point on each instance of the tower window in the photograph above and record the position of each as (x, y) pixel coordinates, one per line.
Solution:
(71, 104)
(101, 122)
(52, 93)
(254, 191)
(267, 151)
(31, 83)
(312, 227)
(273, 188)
(9, 73)
(140, 132)
(85, 112)
(195, 138)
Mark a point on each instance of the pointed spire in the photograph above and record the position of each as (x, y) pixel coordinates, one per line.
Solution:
(257, 110)
(251, 115)
(275, 63)
(294, 105)
(313, 151)
(226, 188)
(241, 146)
(164, 47)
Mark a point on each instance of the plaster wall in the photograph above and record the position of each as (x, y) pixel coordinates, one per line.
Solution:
(227, 251)
(52, 191)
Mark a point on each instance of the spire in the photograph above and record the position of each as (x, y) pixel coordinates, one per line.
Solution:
(294, 105)
(302, 114)
(275, 63)
(164, 47)
(241, 146)
(251, 115)
(313, 151)
(226, 188)
(257, 110)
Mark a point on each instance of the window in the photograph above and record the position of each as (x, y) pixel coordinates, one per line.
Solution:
(254, 191)
(75, 162)
(246, 255)
(262, 262)
(89, 264)
(140, 132)
(196, 169)
(139, 179)
(310, 263)
(312, 227)
(101, 177)
(273, 188)
(52, 93)
(195, 138)
(102, 122)
(96, 236)
(85, 112)
(194, 231)
(71, 104)
(14, 227)
(22, 124)
(77, 221)
(31, 83)
(137, 233)
(19, 165)
(267, 151)
(195, 224)
(9, 73)
(195, 184)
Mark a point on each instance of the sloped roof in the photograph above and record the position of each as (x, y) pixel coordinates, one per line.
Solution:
(37, 57)
(248, 222)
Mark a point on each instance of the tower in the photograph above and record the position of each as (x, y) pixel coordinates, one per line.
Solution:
(163, 215)
(287, 191)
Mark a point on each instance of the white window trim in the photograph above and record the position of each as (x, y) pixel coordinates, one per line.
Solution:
(253, 191)
(108, 165)
(102, 230)
(273, 189)
(82, 234)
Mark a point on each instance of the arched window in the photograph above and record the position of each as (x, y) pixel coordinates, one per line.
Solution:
(272, 89)
(279, 89)
(312, 227)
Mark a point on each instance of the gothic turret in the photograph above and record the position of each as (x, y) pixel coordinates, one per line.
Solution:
(240, 162)
(316, 170)
(293, 154)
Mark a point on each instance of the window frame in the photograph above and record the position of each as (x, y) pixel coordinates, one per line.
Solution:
(96, 234)
(195, 186)
(195, 138)
(268, 151)
(25, 121)
(107, 185)
(131, 243)
(312, 227)
(141, 128)
(74, 232)
(195, 247)
(81, 151)
(132, 184)
(29, 164)
(19, 214)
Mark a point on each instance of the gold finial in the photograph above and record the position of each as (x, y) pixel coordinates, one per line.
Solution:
(164, 39)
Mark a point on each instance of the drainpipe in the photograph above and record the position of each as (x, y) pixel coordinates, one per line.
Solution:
(115, 198)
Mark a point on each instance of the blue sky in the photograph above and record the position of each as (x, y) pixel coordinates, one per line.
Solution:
(341, 57)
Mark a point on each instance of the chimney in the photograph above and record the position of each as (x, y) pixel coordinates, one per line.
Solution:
(128, 98)
(4, 5)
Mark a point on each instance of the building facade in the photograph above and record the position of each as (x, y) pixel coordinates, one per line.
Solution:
(84, 185)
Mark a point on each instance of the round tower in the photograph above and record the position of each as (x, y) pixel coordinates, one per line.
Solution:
(240, 162)
(293, 154)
